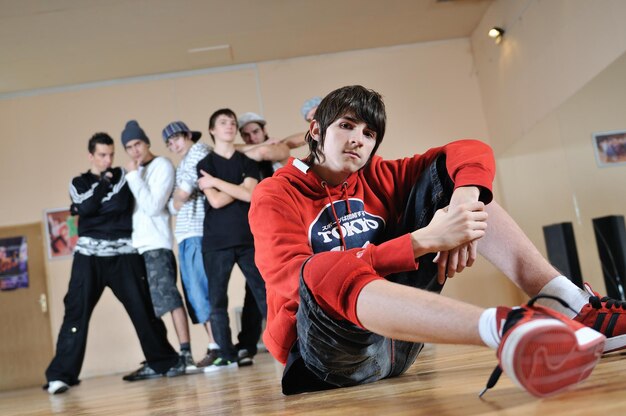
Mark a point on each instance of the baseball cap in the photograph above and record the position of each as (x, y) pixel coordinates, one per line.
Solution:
(250, 117)
(176, 127)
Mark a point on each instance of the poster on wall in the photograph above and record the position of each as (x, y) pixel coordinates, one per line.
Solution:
(13, 263)
(610, 148)
(61, 233)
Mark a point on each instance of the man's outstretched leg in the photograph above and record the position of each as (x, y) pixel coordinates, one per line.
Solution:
(568, 350)
(541, 350)
(509, 249)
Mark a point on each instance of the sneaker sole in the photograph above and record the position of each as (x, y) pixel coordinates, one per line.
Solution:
(59, 390)
(245, 363)
(140, 378)
(194, 370)
(212, 368)
(546, 356)
(615, 343)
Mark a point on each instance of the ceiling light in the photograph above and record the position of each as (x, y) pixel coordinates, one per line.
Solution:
(496, 33)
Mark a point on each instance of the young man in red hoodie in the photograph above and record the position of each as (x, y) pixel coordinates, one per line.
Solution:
(355, 249)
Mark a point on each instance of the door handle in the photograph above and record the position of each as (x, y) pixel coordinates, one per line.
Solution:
(43, 302)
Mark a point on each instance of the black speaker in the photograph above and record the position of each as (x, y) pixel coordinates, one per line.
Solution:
(562, 253)
(611, 241)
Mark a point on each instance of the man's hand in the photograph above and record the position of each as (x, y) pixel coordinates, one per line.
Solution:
(107, 175)
(458, 258)
(455, 260)
(452, 229)
(206, 181)
(132, 165)
(464, 195)
(179, 197)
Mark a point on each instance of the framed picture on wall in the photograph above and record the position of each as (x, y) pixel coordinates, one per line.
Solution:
(13, 263)
(61, 233)
(610, 148)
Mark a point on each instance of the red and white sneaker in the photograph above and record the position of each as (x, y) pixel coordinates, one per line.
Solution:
(607, 316)
(543, 351)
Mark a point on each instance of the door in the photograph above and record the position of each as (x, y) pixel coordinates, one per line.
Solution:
(25, 336)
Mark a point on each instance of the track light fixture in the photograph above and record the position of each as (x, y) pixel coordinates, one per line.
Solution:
(496, 34)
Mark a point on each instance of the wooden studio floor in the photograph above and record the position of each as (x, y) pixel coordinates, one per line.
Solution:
(445, 380)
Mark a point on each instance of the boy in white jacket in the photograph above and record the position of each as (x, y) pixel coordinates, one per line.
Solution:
(151, 180)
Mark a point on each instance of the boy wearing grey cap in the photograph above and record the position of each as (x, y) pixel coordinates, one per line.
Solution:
(187, 203)
(308, 108)
(270, 153)
(151, 180)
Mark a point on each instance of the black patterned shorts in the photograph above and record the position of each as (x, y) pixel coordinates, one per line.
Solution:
(161, 270)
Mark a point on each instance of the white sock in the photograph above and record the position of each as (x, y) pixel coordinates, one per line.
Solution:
(488, 328)
(213, 346)
(563, 288)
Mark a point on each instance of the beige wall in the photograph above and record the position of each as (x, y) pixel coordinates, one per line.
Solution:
(432, 96)
(551, 175)
(557, 77)
(551, 49)
(49, 134)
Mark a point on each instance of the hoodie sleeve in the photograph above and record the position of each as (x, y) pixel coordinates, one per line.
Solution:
(471, 163)
(468, 162)
(281, 244)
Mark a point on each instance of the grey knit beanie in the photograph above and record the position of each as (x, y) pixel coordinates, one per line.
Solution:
(132, 131)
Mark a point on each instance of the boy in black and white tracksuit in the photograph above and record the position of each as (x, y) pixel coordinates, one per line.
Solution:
(104, 256)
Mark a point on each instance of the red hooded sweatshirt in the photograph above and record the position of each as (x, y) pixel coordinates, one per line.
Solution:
(295, 214)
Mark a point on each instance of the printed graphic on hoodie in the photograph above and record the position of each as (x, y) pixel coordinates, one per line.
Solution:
(357, 226)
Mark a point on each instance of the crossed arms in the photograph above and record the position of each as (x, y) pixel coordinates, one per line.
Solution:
(220, 193)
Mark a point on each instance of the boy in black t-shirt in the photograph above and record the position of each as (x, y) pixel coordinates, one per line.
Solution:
(227, 178)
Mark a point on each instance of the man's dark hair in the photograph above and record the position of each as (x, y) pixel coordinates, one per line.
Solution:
(355, 101)
(99, 138)
(222, 111)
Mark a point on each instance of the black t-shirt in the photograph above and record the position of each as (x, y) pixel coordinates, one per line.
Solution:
(266, 169)
(227, 226)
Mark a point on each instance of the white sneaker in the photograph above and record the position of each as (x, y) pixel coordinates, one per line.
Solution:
(220, 364)
(57, 387)
(190, 365)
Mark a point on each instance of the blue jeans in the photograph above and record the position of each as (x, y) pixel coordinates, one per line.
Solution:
(219, 265)
(333, 353)
(194, 279)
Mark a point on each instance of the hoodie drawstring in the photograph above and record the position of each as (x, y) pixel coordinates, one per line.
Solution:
(344, 196)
